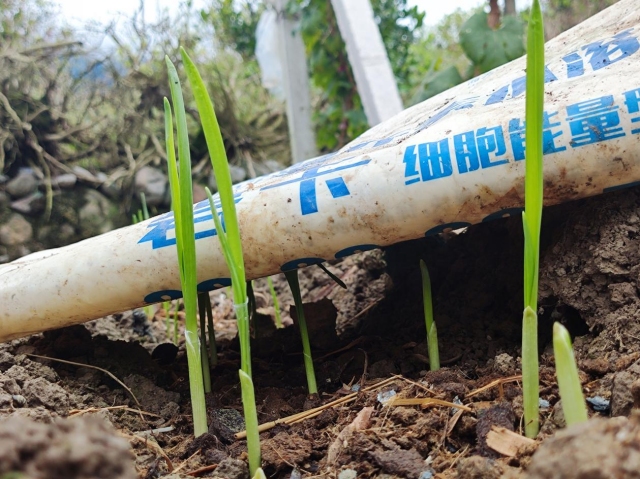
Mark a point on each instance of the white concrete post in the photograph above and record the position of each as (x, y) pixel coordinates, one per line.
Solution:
(296, 86)
(368, 57)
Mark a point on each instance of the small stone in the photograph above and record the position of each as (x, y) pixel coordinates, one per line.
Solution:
(67, 180)
(504, 364)
(599, 404)
(94, 214)
(225, 423)
(9, 384)
(3, 179)
(15, 231)
(238, 174)
(30, 205)
(4, 199)
(348, 474)
(19, 400)
(232, 469)
(153, 183)
(85, 175)
(477, 467)
(39, 391)
(23, 184)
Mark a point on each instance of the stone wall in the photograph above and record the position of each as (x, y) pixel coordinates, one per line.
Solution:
(84, 204)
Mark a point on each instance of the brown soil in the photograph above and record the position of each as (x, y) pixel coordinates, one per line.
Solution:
(65, 420)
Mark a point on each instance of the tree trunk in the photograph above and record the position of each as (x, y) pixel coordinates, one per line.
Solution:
(494, 14)
(509, 7)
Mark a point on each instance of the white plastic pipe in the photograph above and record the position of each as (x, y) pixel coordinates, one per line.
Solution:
(454, 160)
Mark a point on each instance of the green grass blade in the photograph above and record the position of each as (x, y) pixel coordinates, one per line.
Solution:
(532, 216)
(251, 421)
(172, 167)
(432, 332)
(276, 303)
(530, 374)
(534, 128)
(186, 244)
(573, 403)
(294, 284)
(213, 349)
(218, 157)
(204, 358)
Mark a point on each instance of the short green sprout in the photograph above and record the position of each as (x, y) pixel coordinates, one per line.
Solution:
(432, 330)
(294, 284)
(573, 403)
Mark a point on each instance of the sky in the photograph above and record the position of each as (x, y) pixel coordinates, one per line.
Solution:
(79, 11)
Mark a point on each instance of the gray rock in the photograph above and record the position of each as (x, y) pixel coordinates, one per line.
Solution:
(68, 180)
(94, 215)
(9, 385)
(23, 184)
(30, 205)
(4, 199)
(3, 179)
(232, 469)
(238, 174)
(153, 183)
(153, 398)
(39, 391)
(15, 231)
(621, 395)
(266, 167)
(348, 474)
(85, 175)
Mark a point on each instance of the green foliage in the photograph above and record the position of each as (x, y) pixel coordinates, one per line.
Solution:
(235, 24)
(573, 403)
(488, 48)
(338, 114)
(532, 216)
(482, 46)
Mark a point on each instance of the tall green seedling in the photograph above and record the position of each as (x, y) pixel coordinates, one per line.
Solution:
(229, 237)
(532, 216)
(182, 204)
(432, 330)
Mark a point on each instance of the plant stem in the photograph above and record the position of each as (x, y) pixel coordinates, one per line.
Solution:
(276, 303)
(573, 404)
(530, 374)
(294, 284)
(213, 348)
(251, 421)
(202, 313)
(432, 331)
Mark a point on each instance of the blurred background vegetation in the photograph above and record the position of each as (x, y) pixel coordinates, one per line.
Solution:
(65, 104)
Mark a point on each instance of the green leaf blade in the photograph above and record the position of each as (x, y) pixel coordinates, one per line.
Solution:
(573, 403)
